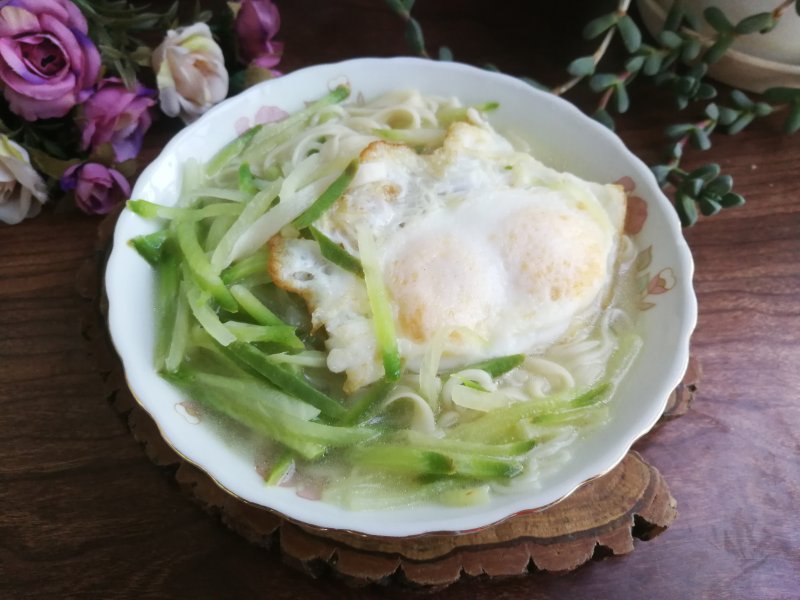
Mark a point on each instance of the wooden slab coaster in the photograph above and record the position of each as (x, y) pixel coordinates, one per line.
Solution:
(600, 519)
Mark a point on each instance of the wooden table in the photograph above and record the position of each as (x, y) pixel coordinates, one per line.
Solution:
(84, 513)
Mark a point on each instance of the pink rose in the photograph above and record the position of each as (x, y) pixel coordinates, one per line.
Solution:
(97, 188)
(116, 115)
(257, 22)
(48, 64)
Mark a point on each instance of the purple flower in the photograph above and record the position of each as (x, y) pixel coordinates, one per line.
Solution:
(48, 64)
(97, 188)
(116, 115)
(257, 22)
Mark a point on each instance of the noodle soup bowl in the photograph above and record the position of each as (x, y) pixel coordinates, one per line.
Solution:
(561, 137)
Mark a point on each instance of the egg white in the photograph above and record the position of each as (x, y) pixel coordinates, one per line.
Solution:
(479, 242)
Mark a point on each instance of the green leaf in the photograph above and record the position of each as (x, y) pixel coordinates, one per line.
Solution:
(670, 39)
(408, 4)
(602, 81)
(727, 115)
(50, 165)
(797, 7)
(792, 123)
(582, 67)
(600, 25)
(535, 84)
(691, 49)
(602, 116)
(661, 173)
(762, 109)
(712, 111)
(699, 138)
(675, 17)
(622, 99)
(414, 37)
(679, 130)
(709, 206)
(396, 5)
(740, 100)
(445, 54)
(705, 91)
(720, 47)
(717, 19)
(630, 33)
(731, 199)
(762, 22)
(635, 63)
(691, 187)
(740, 123)
(687, 211)
(676, 150)
(705, 172)
(782, 94)
(685, 84)
(653, 64)
(719, 186)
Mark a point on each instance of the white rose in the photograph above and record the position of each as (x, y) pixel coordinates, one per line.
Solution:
(22, 190)
(190, 72)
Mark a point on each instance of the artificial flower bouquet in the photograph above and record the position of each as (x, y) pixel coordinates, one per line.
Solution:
(82, 85)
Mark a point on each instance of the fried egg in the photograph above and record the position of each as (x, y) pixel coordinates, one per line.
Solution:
(480, 244)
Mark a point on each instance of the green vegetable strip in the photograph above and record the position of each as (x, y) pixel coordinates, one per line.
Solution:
(251, 414)
(373, 396)
(496, 367)
(270, 135)
(331, 194)
(205, 315)
(231, 151)
(412, 137)
(379, 303)
(216, 231)
(281, 469)
(447, 116)
(247, 183)
(422, 462)
(279, 334)
(246, 386)
(168, 280)
(204, 273)
(252, 211)
(150, 246)
(213, 193)
(179, 333)
(502, 421)
(377, 493)
(482, 468)
(402, 459)
(150, 210)
(283, 379)
(254, 307)
(254, 264)
(427, 442)
(335, 253)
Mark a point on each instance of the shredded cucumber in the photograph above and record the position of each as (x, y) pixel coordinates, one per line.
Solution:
(395, 441)
(382, 317)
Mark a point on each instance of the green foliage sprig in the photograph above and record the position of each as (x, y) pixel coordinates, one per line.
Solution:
(116, 26)
(678, 61)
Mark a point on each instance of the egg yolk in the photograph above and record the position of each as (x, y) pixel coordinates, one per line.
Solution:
(441, 281)
(554, 255)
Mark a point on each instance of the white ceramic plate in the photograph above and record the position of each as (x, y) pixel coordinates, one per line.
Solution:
(562, 137)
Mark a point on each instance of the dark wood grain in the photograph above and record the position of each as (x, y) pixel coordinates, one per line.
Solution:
(83, 512)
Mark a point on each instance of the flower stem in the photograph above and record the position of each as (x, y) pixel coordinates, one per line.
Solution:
(598, 54)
